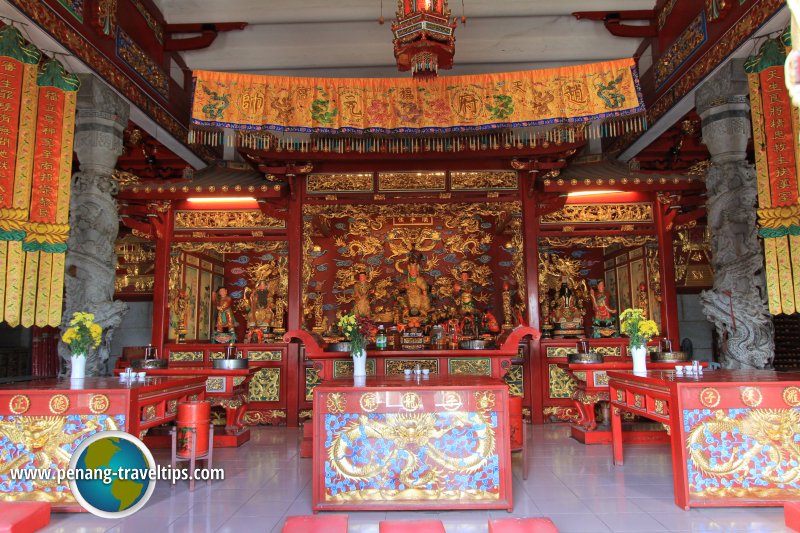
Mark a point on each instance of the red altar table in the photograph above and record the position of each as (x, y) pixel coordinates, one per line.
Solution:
(734, 434)
(494, 363)
(49, 418)
(592, 380)
(392, 443)
(226, 388)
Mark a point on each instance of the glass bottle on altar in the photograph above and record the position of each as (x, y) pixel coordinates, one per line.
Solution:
(380, 338)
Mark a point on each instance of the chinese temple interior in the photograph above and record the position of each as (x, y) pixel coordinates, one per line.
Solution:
(385, 246)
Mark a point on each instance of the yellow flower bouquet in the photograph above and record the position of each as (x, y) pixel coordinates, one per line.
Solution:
(357, 330)
(638, 328)
(82, 334)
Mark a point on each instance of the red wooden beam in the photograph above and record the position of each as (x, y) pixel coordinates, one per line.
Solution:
(612, 21)
(208, 32)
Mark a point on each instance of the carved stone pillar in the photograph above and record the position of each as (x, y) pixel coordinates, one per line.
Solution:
(737, 304)
(91, 262)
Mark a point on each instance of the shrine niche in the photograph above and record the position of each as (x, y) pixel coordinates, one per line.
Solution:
(585, 284)
(135, 267)
(692, 250)
(430, 261)
(595, 260)
(228, 292)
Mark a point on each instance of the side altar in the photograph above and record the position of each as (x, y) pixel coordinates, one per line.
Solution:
(733, 432)
(42, 422)
(225, 388)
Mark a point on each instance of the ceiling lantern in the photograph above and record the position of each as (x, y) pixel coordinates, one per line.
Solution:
(424, 37)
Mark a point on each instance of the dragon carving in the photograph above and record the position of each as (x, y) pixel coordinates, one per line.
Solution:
(772, 433)
(410, 434)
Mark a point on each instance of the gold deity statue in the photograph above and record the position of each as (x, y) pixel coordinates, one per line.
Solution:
(361, 295)
(418, 300)
(261, 302)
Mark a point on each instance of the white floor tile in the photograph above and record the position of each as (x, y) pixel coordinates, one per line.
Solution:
(577, 486)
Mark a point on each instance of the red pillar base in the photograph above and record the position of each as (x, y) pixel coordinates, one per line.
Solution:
(307, 444)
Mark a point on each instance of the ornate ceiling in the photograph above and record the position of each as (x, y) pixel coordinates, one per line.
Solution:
(344, 38)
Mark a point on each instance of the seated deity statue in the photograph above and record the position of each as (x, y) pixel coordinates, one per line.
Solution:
(417, 300)
(567, 316)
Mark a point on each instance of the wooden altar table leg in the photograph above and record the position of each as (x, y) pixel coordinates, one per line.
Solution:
(616, 435)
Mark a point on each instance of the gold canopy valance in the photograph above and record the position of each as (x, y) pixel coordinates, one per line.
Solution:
(567, 95)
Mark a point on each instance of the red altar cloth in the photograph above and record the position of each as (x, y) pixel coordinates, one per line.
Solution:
(440, 442)
(733, 432)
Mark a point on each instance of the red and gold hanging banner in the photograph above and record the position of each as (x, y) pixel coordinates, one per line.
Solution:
(566, 95)
(18, 94)
(37, 121)
(11, 76)
(47, 228)
(47, 155)
(775, 133)
(779, 135)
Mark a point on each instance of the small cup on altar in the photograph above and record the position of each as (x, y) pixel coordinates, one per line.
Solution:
(418, 370)
(128, 373)
(407, 372)
(687, 369)
(425, 372)
(678, 370)
(141, 375)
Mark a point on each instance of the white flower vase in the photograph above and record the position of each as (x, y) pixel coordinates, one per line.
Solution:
(78, 366)
(639, 356)
(360, 364)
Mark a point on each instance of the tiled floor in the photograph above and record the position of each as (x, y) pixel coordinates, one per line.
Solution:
(575, 485)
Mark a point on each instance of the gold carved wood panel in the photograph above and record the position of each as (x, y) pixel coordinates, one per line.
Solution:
(594, 213)
(192, 357)
(561, 384)
(312, 380)
(515, 378)
(393, 367)
(471, 180)
(411, 181)
(266, 385)
(215, 385)
(339, 183)
(561, 351)
(473, 366)
(343, 368)
(235, 219)
(265, 355)
(564, 351)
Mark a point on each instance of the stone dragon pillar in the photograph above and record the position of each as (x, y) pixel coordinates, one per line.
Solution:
(737, 304)
(91, 261)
